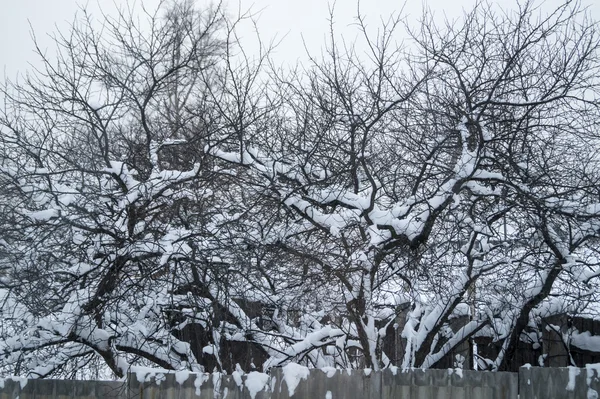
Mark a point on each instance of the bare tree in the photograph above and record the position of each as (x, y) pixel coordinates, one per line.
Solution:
(104, 146)
(174, 201)
(456, 176)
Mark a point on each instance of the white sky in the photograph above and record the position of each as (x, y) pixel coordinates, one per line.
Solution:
(294, 19)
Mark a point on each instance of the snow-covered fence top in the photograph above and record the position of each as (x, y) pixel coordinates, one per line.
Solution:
(559, 382)
(292, 381)
(297, 382)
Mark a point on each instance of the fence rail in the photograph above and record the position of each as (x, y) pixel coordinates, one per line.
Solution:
(297, 382)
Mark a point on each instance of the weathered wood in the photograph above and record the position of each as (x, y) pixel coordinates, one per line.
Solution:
(350, 384)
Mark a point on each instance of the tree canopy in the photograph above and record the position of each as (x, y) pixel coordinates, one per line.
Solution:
(171, 201)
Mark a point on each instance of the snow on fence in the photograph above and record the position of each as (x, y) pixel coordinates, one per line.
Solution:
(559, 382)
(294, 381)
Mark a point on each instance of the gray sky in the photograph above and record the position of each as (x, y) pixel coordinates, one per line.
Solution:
(294, 19)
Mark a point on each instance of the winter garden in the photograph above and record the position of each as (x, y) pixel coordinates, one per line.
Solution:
(171, 201)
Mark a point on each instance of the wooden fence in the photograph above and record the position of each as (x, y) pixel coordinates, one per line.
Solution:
(298, 382)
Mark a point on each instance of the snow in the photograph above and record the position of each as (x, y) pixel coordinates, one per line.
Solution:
(182, 376)
(256, 382)
(328, 395)
(44, 215)
(253, 381)
(237, 377)
(293, 373)
(586, 341)
(329, 371)
(159, 378)
(311, 340)
(273, 383)
(216, 379)
(462, 309)
(573, 373)
(199, 381)
(593, 371)
(145, 374)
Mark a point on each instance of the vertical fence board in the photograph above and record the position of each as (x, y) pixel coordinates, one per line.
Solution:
(11, 389)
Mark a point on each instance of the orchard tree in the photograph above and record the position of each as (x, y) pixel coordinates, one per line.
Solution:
(173, 201)
(457, 175)
(102, 148)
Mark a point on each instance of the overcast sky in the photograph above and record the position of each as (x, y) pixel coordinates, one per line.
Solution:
(294, 19)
